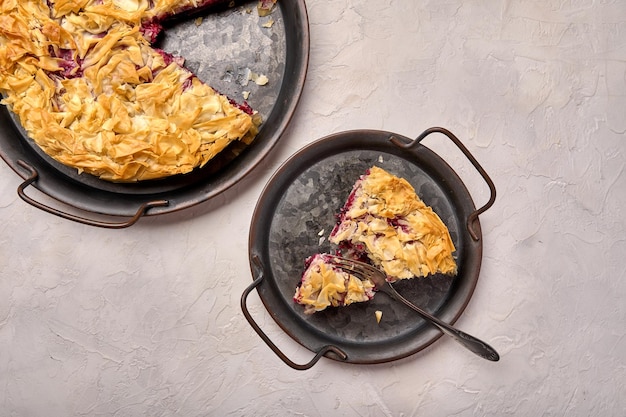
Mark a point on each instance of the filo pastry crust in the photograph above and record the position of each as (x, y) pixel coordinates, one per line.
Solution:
(92, 92)
(385, 221)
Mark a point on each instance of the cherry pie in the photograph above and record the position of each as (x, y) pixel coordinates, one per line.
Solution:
(90, 89)
(324, 285)
(385, 223)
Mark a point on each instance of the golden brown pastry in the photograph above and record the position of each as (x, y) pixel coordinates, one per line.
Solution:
(91, 91)
(324, 285)
(386, 222)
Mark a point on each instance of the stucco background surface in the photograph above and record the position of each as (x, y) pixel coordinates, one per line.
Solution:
(146, 321)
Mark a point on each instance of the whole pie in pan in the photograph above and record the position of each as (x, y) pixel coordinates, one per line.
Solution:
(90, 89)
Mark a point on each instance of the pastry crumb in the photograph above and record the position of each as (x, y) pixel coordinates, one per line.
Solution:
(379, 315)
(261, 80)
(265, 7)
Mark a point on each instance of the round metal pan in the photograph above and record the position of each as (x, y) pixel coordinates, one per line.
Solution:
(298, 209)
(215, 50)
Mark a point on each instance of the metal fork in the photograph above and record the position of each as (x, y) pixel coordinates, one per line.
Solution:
(366, 271)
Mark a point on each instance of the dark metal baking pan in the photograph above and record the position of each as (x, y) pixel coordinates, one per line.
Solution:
(299, 206)
(220, 48)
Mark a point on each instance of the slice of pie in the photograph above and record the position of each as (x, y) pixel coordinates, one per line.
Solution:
(385, 223)
(324, 285)
(90, 89)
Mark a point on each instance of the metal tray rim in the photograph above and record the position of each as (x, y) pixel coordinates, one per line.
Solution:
(301, 332)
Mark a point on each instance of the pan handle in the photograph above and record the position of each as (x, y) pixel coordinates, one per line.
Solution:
(472, 220)
(34, 175)
(267, 340)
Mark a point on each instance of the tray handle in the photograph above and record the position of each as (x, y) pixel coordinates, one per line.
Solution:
(34, 175)
(472, 220)
(300, 367)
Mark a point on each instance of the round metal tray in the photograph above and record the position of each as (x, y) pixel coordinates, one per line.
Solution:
(299, 206)
(220, 48)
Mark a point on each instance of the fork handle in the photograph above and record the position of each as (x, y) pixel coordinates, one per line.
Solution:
(472, 343)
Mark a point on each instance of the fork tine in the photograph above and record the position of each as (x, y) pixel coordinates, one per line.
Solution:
(346, 266)
(336, 260)
(343, 264)
(351, 267)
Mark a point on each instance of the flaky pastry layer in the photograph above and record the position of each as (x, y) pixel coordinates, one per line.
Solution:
(92, 92)
(324, 285)
(385, 221)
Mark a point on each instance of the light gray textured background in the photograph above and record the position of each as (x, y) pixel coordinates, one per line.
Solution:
(146, 321)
